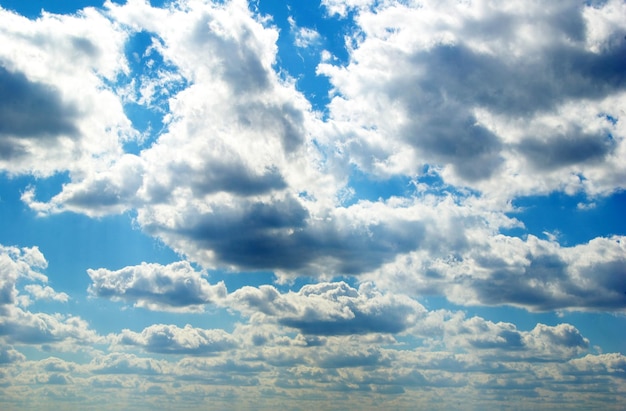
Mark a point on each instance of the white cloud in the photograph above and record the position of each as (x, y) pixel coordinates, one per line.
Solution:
(471, 89)
(341, 7)
(330, 308)
(8, 355)
(533, 273)
(45, 293)
(122, 363)
(17, 263)
(503, 341)
(304, 36)
(20, 326)
(173, 287)
(246, 177)
(58, 67)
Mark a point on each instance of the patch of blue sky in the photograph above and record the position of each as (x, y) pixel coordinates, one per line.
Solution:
(99, 311)
(571, 220)
(365, 187)
(301, 62)
(156, 82)
(109, 242)
(32, 8)
(237, 279)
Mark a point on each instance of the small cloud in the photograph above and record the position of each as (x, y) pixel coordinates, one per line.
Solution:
(586, 206)
(304, 37)
(552, 236)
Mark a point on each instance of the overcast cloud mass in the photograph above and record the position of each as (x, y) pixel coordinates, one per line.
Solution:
(345, 204)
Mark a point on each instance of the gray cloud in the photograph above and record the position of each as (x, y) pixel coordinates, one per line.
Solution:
(466, 65)
(25, 327)
(31, 110)
(535, 274)
(560, 151)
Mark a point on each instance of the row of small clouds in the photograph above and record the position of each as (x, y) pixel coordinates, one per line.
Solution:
(417, 375)
(319, 311)
(327, 336)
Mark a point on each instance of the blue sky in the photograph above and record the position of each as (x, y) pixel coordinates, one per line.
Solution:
(336, 204)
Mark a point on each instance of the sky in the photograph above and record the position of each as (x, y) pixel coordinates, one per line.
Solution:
(335, 204)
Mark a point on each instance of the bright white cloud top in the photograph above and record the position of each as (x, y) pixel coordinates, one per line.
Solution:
(336, 205)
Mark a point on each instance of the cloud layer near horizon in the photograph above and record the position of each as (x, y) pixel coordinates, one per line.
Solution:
(326, 336)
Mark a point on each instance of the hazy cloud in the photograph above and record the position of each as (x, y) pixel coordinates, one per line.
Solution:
(170, 339)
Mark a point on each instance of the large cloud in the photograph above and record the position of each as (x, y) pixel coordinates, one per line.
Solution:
(245, 176)
(533, 273)
(474, 89)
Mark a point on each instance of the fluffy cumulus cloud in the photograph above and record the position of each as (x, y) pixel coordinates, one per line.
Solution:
(470, 88)
(503, 341)
(331, 308)
(177, 286)
(533, 273)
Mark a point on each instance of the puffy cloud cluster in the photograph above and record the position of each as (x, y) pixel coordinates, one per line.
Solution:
(20, 326)
(177, 286)
(504, 341)
(245, 176)
(508, 100)
(533, 273)
(331, 308)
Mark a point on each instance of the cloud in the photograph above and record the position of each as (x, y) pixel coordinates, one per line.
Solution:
(252, 179)
(304, 37)
(8, 355)
(57, 112)
(20, 326)
(120, 363)
(170, 339)
(331, 308)
(443, 75)
(536, 274)
(17, 263)
(31, 110)
(502, 341)
(595, 365)
(173, 287)
(25, 327)
(45, 293)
